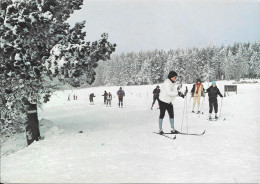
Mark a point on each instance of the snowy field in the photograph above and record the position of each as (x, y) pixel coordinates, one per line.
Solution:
(117, 144)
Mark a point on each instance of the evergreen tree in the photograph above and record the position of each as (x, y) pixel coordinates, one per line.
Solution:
(255, 64)
(208, 63)
(38, 51)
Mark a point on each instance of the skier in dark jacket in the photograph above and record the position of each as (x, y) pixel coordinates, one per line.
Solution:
(105, 97)
(120, 94)
(156, 93)
(213, 93)
(91, 96)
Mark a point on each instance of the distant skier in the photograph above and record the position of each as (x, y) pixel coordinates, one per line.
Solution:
(91, 97)
(109, 98)
(197, 91)
(213, 93)
(105, 97)
(168, 93)
(156, 93)
(120, 94)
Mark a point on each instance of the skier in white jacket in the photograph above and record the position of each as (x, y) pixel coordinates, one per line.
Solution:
(168, 93)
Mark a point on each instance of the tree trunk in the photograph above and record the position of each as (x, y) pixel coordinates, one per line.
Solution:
(32, 124)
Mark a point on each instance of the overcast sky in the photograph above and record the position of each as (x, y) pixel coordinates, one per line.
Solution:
(136, 25)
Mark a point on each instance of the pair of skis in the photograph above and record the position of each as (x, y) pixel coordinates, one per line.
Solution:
(180, 133)
(217, 119)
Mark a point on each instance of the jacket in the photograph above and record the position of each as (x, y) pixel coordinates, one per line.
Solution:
(156, 93)
(168, 91)
(109, 97)
(200, 92)
(120, 94)
(213, 93)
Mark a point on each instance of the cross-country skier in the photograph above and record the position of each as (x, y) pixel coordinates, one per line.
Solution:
(168, 93)
(196, 92)
(109, 98)
(213, 93)
(120, 94)
(156, 93)
(91, 96)
(105, 97)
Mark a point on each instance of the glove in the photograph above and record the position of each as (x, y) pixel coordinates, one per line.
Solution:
(180, 94)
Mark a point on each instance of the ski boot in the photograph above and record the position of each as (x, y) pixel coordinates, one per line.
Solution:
(174, 131)
(161, 131)
(216, 116)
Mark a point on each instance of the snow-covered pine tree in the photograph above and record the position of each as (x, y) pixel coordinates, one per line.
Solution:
(180, 65)
(215, 64)
(255, 65)
(139, 76)
(128, 69)
(171, 63)
(99, 74)
(145, 72)
(191, 71)
(38, 49)
(251, 62)
(228, 65)
(120, 69)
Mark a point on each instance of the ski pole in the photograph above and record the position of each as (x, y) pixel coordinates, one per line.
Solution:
(202, 105)
(220, 107)
(183, 114)
(189, 102)
(187, 120)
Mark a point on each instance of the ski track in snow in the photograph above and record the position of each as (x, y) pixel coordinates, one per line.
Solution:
(117, 145)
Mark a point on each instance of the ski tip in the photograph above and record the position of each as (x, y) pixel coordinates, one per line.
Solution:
(204, 132)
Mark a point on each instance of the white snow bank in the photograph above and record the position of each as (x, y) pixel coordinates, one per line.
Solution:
(18, 141)
(118, 146)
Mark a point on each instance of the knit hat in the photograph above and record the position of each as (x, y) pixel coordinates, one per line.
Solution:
(172, 74)
(213, 82)
(198, 80)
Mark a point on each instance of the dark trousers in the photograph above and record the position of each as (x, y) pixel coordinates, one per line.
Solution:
(120, 102)
(154, 99)
(108, 101)
(213, 103)
(165, 106)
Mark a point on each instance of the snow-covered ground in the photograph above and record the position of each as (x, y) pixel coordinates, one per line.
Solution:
(117, 144)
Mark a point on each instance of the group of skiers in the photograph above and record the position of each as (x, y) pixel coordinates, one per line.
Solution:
(75, 97)
(166, 95)
(169, 91)
(108, 98)
(213, 92)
